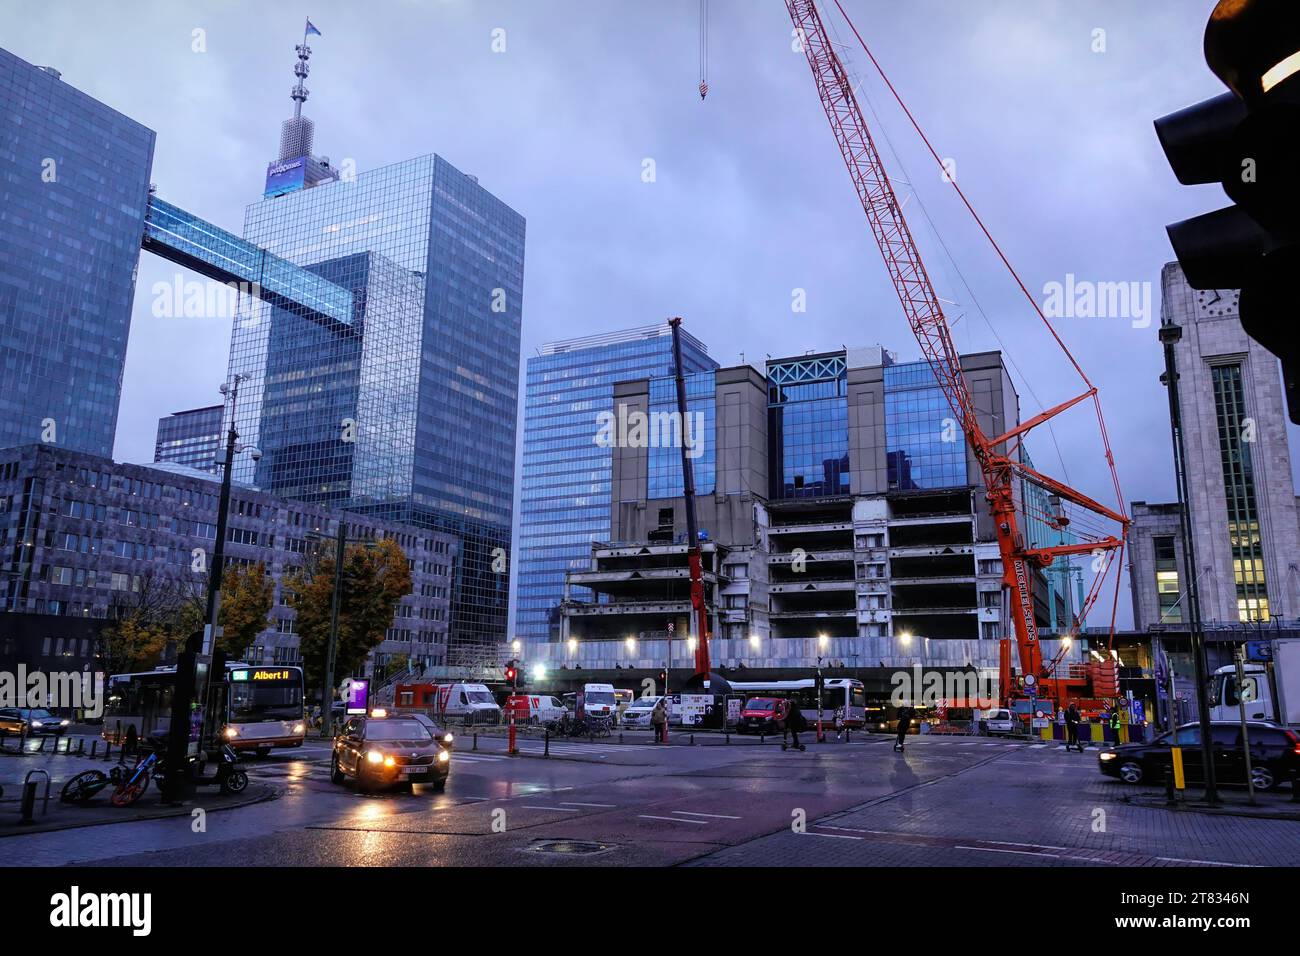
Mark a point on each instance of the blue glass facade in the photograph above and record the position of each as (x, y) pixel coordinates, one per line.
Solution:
(565, 487)
(664, 456)
(408, 410)
(808, 427)
(74, 182)
(922, 451)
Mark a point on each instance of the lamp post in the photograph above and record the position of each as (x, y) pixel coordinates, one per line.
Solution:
(192, 670)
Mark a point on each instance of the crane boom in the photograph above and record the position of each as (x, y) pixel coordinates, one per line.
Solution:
(924, 314)
(694, 555)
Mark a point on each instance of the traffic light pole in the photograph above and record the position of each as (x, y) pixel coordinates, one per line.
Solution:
(1170, 334)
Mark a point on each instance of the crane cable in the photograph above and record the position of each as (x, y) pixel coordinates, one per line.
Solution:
(704, 48)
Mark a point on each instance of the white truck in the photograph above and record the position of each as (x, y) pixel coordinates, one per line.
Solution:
(1276, 700)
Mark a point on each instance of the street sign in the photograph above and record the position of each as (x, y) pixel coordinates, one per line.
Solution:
(1259, 651)
(1137, 713)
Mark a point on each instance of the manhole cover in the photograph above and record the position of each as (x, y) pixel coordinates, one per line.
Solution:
(570, 847)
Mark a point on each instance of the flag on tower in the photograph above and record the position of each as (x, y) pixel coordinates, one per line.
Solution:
(311, 29)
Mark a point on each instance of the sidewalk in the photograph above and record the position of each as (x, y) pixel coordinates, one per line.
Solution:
(66, 816)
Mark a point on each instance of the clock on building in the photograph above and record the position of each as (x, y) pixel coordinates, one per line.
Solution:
(1217, 301)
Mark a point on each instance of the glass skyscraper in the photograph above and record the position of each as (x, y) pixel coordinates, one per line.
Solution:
(565, 491)
(191, 437)
(74, 183)
(408, 410)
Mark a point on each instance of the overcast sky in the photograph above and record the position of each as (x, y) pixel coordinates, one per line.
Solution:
(1052, 141)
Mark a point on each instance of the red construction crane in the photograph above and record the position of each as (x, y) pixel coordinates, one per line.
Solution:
(1100, 531)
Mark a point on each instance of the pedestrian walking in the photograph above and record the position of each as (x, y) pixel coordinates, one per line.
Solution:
(659, 720)
(840, 726)
(905, 715)
(1072, 718)
(792, 721)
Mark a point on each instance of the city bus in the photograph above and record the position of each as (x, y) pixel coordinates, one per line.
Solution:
(837, 692)
(260, 706)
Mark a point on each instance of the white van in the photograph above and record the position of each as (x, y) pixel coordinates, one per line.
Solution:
(639, 711)
(465, 703)
(598, 700)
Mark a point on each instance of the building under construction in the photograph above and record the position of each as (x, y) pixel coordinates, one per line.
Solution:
(842, 518)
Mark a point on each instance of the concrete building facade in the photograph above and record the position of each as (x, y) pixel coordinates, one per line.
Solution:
(82, 536)
(843, 519)
(1244, 517)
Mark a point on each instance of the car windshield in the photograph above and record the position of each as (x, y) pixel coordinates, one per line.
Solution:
(479, 697)
(397, 730)
(600, 697)
(39, 714)
(761, 704)
(643, 703)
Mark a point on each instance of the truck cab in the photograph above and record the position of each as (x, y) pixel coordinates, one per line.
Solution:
(1226, 694)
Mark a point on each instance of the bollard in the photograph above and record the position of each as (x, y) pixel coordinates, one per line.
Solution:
(41, 748)
(728, 738)
(692, 740)
(762, 738)
(94, 745)
(475, 747)
(1169, 787)
(29, 802)
(81, 746)
(620, 736)
(546, 751)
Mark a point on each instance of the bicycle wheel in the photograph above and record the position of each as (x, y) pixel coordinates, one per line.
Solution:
(83, 786)
(130, 790)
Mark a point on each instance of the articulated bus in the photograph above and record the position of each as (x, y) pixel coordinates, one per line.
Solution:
(260, 706)
(837, 692)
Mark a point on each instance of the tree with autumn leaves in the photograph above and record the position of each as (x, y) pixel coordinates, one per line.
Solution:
(376, 576)
(159, 614)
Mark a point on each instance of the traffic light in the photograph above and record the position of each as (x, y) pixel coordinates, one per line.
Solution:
(663, 678)
(512, 674)
(1247, 141)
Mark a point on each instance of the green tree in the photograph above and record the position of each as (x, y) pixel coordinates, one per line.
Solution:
(247, 593)
(150, 618)
(375, 578)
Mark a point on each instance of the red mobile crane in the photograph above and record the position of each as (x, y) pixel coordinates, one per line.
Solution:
(998, 456)
(694, 555)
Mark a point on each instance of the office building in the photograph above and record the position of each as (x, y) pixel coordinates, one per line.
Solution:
(843, 516)
(192, 437)
(564, 501)
(83, 537)
(74, 184)
(1242, 498)
(406, 407)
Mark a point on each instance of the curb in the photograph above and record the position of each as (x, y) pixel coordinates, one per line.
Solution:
(1232, 811)
(11, 830)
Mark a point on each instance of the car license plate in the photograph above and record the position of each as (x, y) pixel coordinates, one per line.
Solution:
(414, 771)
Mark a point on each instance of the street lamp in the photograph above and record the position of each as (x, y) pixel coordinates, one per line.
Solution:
(573, 645)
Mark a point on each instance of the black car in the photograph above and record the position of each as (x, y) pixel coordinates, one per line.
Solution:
(437, 730)
(1274, 755)
(384, 751)
(33, 721)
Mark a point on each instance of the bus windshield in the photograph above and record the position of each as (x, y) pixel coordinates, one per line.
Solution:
(250, 703)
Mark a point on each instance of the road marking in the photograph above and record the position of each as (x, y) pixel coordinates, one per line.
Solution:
(525, 806)
(1054, 856)
(606, 806)
(647, 816)
(715, 816)
(834, 836)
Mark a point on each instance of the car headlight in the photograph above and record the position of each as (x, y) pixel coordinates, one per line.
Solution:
(299, 728)
(63, 723)
(37, 723)
(447, 738)
(443, 756)
(1107, 755)
(231, 733)
(374, 756)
